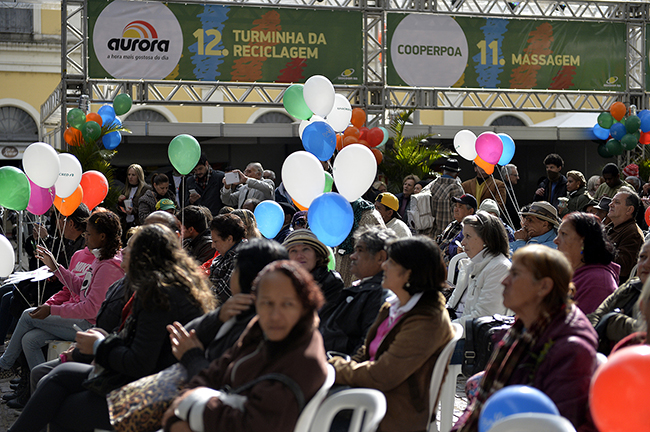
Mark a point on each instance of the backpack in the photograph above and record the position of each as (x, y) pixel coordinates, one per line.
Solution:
(419, 214)
(482, 336)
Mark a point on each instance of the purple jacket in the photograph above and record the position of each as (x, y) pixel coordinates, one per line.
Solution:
(566, 354)
(594, 283)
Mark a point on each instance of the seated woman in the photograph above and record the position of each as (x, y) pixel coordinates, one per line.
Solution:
(161, 189)
(283, 339)
(228, 232)
(78, 302)
(551, 345)
(213, 333)
(583, 240)
(168, 287)
(404, 342)
(248, 217)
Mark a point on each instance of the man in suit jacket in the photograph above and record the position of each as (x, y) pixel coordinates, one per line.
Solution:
(485, 186)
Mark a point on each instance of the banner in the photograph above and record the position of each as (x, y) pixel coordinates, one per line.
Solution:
(443, 51)
(151, 40)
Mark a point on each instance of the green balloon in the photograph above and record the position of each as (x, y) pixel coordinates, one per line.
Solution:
(329, 181)
(632, 124)
(14, 188)
(637, 134)
(331, 265)
(76, 118)
(629, 141)
(91, 131)
(294, 103)
(122, 103)
(184, 152)
(603, 152)
(614, 147)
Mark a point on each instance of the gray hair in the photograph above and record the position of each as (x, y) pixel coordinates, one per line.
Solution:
(257, 166)
(376, 239)
(506, 170)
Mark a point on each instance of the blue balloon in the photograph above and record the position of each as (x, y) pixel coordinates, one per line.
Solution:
(107, 113)
(515, 399)
(618, 131)
(645, 123)
(319, 139)
(331, 218)
(111, 140)
(508, 149)
(600, 132)
(270, 218)
(641, 114)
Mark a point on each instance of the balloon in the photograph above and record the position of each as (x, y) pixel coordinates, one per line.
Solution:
(616, 395)
(645, 123)
(95, 186)
(386, 136)
(331, 264)
(319, 139)
(508, 149)
(487, 167)
(375, 136)
(331, 218)
(364, 142)
(91, 131)
(7, 257)
(465, 144)
(298, 206)
(339, 141)
(379, 156)
(94, 117)
(341, 113)
(617, 131)
(184, 152)
(41, 164)
(603, 152)
(350, 140)
(302, 175)
(107, 114)
(629, 141)
(116, 124)
(69, 175)
(354, 171)
(514, 399)
(112, 140)
(600, 133)
(614, 147)
(358, 117)
(647, 216)
(270, 218)
(605, 120)
(67, 206)
(644, 138)
(363, 133)
(122, 103)
(489, 147)
(329, 181)
(641, 114)
(76, 118)
(319, 95)
(618, 110)
(72, 136)
(40, 199)
(352, 131)
(632, 123)
(305, 123)
(14, 188)
(294, 102)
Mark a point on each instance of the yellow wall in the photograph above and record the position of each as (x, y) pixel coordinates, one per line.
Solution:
(50, 22)
(33, 88)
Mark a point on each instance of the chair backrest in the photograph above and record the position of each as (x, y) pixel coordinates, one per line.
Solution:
(308, 413)
(439, 370)
(533, 422)
(452, 268)
(368, 405)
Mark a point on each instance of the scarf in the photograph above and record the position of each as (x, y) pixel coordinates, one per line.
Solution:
(203, 181)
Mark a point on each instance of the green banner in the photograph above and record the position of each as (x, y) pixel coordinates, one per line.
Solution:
(444, 51)
(151, 40)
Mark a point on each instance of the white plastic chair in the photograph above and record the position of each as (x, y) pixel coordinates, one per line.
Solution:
(309, 411)
(368, 405)
(447, 388)
(452, 268)
(533, 422)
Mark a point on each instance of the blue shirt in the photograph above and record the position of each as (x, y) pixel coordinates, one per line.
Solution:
(545, 239)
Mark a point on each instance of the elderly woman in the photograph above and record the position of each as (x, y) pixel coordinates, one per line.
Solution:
(404, 342)
(551, 345)
(583, 240)
(282, 340)
(576, 187)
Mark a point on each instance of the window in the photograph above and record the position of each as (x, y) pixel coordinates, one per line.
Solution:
(508, 120)
(146, 115)
(17, 125)
(274, 117)
(16, 19)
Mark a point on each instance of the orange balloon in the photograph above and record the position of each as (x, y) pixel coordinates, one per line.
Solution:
(618, 110)
(72, 136)
(351, 131)
(364, 142)
(349, 140)
(487, 167)
(378, 155)
(94, 117)
(358, 117)
(297, 204)
(339, 142)
(96, 187)
(68, 205)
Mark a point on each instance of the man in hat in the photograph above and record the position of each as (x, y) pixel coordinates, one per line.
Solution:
(540, 226)
(623, 232)
(167, 205)
(387, 205)
(443, 189)
(600, 209)
(464, 205)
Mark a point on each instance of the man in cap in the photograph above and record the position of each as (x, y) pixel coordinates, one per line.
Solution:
(540, 226)
(387, 205)
(464, 205)
(623, 232)
(167, 205)
(600, 209)
(443, 189)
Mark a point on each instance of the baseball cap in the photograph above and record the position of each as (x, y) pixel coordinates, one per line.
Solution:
(466, 199)
(165, 204)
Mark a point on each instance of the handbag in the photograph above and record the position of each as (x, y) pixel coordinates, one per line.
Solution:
(482, 335)
(139, 406)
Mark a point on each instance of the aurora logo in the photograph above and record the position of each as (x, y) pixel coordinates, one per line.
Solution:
(137, 35)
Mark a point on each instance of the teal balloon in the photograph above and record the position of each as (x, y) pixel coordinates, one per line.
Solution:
(329, 181)
(614, 147)
(184, 152)
(14, 188)
(386, 136)
(605, 120)
(76, 118)
(629, 141)
(122, 103)
(603, 152)
(632, 124)
(294, 103)
(91, 131)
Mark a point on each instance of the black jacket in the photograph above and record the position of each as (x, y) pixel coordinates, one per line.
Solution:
(210, 195)
(330, 283)
(200, 247)
(549, 195)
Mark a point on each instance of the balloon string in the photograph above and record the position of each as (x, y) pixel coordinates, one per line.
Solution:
(511, 194)
(502, 207)
(182, 203)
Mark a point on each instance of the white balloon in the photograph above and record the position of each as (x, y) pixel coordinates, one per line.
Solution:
(7, 257)
(354, 171)
(339, 117)
(305, 123)
(318, 93)
(303, 178)
(41, 164)
(69, 175)
(465, 144)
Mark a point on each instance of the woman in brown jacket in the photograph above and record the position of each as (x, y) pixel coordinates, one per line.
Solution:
(407, 337)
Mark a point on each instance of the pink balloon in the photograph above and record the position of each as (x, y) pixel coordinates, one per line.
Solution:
(489, 147)
(40, 199)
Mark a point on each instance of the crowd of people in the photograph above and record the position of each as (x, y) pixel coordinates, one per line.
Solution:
(178, 275)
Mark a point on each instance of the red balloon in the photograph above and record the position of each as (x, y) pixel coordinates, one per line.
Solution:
(358, 117)
(94, 117)
(644, 138)
(375, 136)
(68, 205)
(95, 186)
(363, 133)
(378, 155)
(647, 216)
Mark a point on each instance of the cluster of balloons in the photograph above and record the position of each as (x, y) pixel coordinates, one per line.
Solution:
(100, 125)
(357, 133)
(514, 399)
(486, 150)
(621, 133)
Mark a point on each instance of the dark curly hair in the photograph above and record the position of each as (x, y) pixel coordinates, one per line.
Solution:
(597, 248)
(307, 289)
(108, 223)
(158, 264)
(422, 256)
